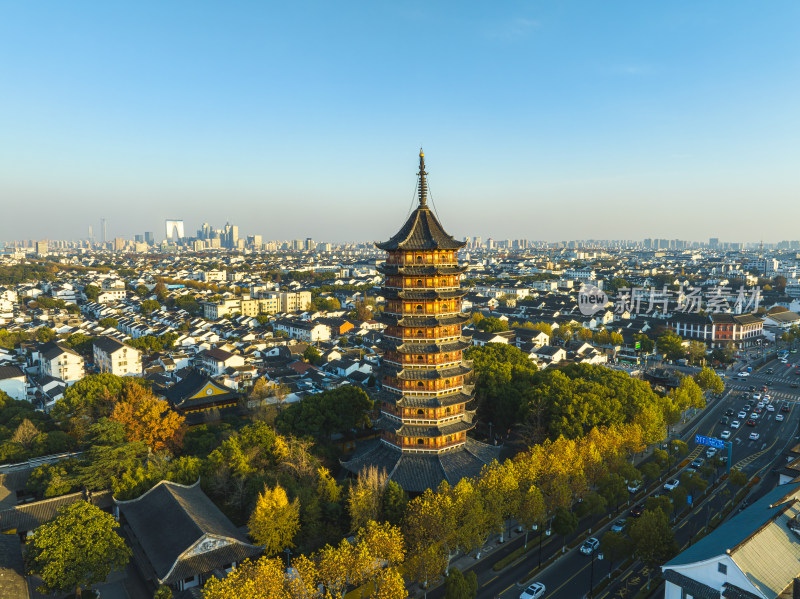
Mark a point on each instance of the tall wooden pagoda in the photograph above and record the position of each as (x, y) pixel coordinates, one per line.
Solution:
(425, 398)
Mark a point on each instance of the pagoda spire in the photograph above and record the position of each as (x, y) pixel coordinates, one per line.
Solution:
(423, 183)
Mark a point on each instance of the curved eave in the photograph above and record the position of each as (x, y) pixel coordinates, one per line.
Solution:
(422, 231)
(420, 430)
(424, 321)
(424, 374)
(462, 396)
(433, 348)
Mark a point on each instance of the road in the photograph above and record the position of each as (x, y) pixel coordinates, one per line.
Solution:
(569, 578)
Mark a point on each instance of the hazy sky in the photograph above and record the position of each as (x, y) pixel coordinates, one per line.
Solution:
(544, 120)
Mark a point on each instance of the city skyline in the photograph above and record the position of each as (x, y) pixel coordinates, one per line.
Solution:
(572, 121)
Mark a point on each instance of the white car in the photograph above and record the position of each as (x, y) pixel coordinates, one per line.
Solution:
(754, 416)
(770, 408)
(736, 423)
(725, 435)
(754, 436)
(767, 397)
(742, 414)
(634, 486)
(756, 396)
(671, 484)
(744, 374)
(535, 591)
(589, 546)
(778, 417)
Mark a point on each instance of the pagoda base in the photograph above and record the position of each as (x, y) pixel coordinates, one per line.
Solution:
(416, 472)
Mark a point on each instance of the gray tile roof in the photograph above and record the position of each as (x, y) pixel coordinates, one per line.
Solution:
(421, 231)
(171, 518)
(12, 569)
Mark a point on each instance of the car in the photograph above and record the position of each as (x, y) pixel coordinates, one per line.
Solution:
(711, 452)
(767, 398)
(698, 462)
(691, 470)
(748, 407)
(778, 417)
(754, 436)
(752, 388)
(770, 371)
(758, 409)
(744, 374)
(768, 384)
(794, 385)
(634, 486)
(785, 408)
(534, 591)
(742, 414)
(723, 420)
(619, 525)
(729, 412)
(754, 415)
(589, 546)
(756, 396)
(725, 435)
(770, 408)
(636, 511)
(670, 485)
(736, 423)
(793, 350)
(750, 422)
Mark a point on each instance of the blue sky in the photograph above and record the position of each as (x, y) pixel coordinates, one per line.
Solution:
(543, 120)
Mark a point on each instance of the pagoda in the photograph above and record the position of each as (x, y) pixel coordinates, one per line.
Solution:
(425, 399)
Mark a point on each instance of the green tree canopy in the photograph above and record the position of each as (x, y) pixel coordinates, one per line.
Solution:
(78, 548)
(322, 414)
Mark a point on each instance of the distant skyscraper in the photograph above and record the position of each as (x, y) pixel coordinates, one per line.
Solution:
(149, 238)
(713, 243)
(91, 235)
(310, 245)
(138, 238)
(103, 230)
(174, 228)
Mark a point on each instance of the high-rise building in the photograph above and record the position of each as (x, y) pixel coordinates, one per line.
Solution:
(174, 229)
(149, 238)
(425, 402)
(713, 243)
(138, 238)
(104, 230)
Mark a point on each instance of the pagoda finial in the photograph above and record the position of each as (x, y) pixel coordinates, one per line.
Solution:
(423, 183)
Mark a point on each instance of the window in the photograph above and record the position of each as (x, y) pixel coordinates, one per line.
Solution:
(420, 412)
(722, 568)
(420, 441)
(420, 384)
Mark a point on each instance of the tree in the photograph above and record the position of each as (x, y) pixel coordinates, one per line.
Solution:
(737, 478)
(146, 418)
(163, 592)
(394, 503)
(274, 521)
(646, 344)
(92, 292)
(45, 334)
(490, 324)
(670, 345)
(615, 546)
(25, 434)
(679, 496)
(312, 355)
(544, 328)
(696, 352)
(708, 380)
(564, 523)
(78, 548)
(612, 487)
(650, 471)
(262, 579)
(364, 500)
(459, 586)
(390, 585)
(108, 322)
(149, 306)
(653, 539)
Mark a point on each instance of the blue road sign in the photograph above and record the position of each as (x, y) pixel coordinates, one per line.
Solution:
(710, 441)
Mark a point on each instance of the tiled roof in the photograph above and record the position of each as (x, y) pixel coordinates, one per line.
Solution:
(690, 585)
(12, 569)
(171, 518)
(10, 372)
(109, 345)
(29, 516)
(421, 231)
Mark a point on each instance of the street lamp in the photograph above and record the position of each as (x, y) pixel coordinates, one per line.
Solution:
(591, 572)
(288, 558)
(490, 433)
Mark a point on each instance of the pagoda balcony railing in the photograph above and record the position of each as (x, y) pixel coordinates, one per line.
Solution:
(425, 313)
(416, 448)
(434, 365)
(415, 393)
(424, 340)
(409, 416)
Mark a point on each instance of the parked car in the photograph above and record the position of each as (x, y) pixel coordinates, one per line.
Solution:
(725, 434)
(619, 525)
(670, 485)
(736, 423)
(535, 591)
(589, 546)
(754, 436)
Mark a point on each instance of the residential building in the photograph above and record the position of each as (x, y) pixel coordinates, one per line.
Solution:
(116, 358)
(13, 382)
(303, 330)
(61, 362)
(215, 361)
(755, 554)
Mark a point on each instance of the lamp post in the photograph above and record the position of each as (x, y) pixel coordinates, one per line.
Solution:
(591, 572)
(288, 558)
(490, 433)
